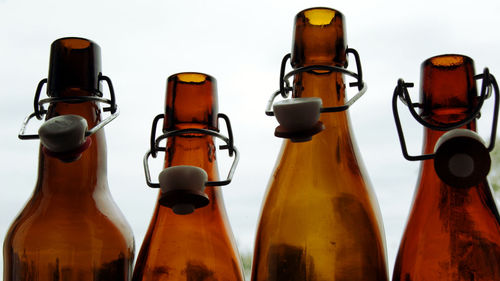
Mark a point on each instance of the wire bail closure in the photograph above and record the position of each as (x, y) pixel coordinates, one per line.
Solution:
(285, 88)
(455, 144)
(61, 123)
(178, 196)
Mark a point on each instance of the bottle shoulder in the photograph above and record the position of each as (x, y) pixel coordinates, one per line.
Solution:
(313, 173)
(453, 209)
(205, 234)
(320, 208)
(204, 229)
(81, 221)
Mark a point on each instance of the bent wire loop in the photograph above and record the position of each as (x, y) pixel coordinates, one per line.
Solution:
(401, 92)
(155, 147)
(40, 111)
(285, 87)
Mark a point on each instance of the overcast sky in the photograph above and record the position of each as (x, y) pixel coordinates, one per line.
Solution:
(241, 44)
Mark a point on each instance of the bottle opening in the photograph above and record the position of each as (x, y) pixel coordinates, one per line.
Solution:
(447, 60)
(320, 16)
(75, 43)
(192, 77)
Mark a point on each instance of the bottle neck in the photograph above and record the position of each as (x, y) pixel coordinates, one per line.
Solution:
(448, 95)
(84, 175)
(330, 87)
(199, 151)
(195, 150)
(319, 39)
(191, 103)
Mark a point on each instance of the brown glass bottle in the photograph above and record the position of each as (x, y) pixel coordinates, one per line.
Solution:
(71, 229)
(453, 233)
(198, 246)
(320, 218)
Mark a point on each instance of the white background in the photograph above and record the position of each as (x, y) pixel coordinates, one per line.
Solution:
(241, 44)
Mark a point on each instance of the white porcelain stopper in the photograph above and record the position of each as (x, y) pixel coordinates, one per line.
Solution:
(298, 114)
(63, 133)
(461, 158)
(182, 188)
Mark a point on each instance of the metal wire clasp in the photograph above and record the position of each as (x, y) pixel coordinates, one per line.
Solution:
(285, 87)
(40, 111)
(401, 92)
(155, 148)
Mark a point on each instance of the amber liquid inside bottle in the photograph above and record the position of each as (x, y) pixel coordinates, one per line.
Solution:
(71, 229)
(452, 233)
(198, 246)
(320, 219)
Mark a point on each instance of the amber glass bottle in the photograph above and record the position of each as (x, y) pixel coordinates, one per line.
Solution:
(453, 233)
(197, 246)
(320, 219)
(71, 229)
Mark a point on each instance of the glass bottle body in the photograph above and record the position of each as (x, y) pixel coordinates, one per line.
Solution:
(452, 233)
(71, 229)
(200, 245)
(320, 219)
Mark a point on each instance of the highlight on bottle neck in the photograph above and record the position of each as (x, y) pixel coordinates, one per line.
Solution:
(319, 38)
(319, 47)
(74, 77)
(191, 110)
(449, 102)
(191, 101)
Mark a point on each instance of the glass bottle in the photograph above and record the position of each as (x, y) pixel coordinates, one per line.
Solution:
(453, 231)
(71, 229)
(198, 245)
(320, 218)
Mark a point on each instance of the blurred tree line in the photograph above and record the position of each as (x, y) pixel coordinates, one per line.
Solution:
(246, 260)
(494, 175)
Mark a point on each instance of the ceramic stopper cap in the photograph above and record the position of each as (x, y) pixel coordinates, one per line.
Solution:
(297, 114)
(461, 158)
(182, 188)
(63, 133)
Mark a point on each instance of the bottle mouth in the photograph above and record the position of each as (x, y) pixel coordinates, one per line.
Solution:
(191, 77)
(74, 42)
(448, 60)
(320, 16)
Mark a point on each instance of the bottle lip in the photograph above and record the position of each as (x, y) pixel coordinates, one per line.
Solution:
(447, 60)
(319, 8)
(191, 77)
(86, 41)
(319, 19)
